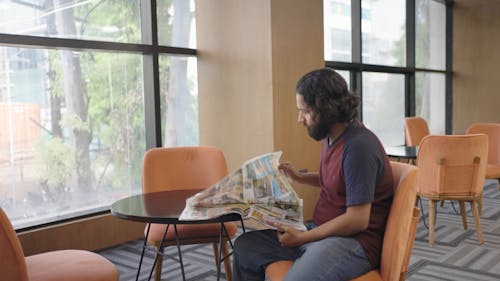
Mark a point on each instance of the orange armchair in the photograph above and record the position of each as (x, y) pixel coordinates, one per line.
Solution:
(399, 233)
(493, 132)
(63, 265)
(453, 168)
(415, 130)
(185, 168)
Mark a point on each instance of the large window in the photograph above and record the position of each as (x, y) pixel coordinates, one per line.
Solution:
(398, 54)
(86, 87)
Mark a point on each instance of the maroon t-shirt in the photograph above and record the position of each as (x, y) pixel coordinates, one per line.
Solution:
(355, 170)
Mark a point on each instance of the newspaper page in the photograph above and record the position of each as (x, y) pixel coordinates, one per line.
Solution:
(257, 190)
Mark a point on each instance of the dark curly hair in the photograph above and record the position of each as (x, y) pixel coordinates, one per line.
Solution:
(326, 92)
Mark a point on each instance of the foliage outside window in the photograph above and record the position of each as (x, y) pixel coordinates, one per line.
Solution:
(75, 119)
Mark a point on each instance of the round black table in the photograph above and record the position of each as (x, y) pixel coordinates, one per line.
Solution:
(165, 207)
(409, 153)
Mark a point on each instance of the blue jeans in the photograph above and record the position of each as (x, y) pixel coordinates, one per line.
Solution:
(331, 259)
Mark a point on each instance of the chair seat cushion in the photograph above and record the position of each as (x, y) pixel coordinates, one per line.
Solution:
(373, 275)
(70, 265)
(493, 171)
(187, 231)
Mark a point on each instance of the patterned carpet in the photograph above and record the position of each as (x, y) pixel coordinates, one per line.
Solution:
(456, 255)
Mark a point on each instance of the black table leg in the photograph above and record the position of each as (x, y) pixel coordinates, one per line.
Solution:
(221, 259)
(159, 251)
(179, 251)
(142, 254)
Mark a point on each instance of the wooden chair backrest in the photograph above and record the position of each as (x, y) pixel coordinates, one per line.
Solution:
(415, 130)
(452, 165)
(172, 168)
(401, 224)
(493, 132)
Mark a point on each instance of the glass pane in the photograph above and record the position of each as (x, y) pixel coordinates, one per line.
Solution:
(74, 133)
(430, 38)
(179, 100)
(383, 32)
(117, 21)
(430, 99)
(337, 28)
(384, 106)
(346, 75)
(176, 23)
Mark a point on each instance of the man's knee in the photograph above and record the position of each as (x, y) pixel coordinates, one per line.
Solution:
(257, 244)
(243, 244)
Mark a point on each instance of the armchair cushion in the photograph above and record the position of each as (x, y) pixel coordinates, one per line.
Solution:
(63, 265)
(493, 171)
(373, 275)
(75, 265)
(187, 231)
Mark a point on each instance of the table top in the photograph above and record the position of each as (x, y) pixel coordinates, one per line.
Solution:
(163, 207)
(401, 151)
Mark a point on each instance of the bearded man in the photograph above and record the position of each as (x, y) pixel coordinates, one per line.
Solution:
(344, 239)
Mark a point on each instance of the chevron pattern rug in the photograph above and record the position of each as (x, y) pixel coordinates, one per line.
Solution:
(455, 256)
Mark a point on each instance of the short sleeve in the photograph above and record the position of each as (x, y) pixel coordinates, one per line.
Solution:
(362, 163)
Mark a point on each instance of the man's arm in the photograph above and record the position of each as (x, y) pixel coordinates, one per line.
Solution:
(354, 220)
(310, 178)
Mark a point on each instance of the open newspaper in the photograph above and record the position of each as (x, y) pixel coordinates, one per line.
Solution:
(257, 190)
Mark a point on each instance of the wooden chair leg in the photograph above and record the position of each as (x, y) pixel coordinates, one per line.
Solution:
(477, 221)
(227, 262)
(158, 266)
(480, 204)
(215, 247)
(463, 213)
(432, 220)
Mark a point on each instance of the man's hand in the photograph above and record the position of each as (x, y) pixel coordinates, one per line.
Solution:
(289, 236)
(300, 176)
(288, 169)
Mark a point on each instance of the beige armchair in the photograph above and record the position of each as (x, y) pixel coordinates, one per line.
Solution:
(63, 265)
(416, 129)
(453, 168)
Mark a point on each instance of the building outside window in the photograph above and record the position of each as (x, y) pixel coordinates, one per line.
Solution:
(86, 87)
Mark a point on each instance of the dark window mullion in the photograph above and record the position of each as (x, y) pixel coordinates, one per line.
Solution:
(358, 86)
(356, 31)
(410, 94)
(449, 67)
(147, 72)
(156, 73)
(30, 41)
(369, 67)
(410, 58)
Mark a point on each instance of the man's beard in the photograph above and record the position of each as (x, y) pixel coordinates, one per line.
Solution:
(319, 130)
